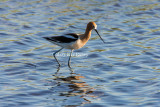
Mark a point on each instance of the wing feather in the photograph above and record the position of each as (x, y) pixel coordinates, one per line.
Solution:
(71, 37)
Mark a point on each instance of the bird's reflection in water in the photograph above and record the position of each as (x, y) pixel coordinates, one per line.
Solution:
(73, 86)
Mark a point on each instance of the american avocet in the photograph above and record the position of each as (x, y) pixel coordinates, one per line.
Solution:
(73, 40)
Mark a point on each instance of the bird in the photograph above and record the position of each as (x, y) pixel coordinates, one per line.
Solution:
(73, 41)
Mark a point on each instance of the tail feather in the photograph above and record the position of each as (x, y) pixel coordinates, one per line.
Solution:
(47, 38)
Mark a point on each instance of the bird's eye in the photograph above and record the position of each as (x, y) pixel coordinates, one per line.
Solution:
(93, 27)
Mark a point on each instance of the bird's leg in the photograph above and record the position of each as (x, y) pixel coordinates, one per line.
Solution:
(70, 58)
(54, 54)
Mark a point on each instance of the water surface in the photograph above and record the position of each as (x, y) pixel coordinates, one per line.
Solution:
(123, 72)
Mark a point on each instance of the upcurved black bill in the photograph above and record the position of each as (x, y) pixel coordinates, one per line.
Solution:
(99, 35)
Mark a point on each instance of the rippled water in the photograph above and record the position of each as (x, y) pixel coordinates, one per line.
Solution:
(123, 72)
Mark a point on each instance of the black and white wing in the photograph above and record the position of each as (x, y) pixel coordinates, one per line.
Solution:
(67, 38)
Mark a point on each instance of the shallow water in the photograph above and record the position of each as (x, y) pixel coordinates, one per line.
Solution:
(123, 72)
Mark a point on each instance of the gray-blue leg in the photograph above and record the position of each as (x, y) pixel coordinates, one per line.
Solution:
(54, 54)
(69, 60)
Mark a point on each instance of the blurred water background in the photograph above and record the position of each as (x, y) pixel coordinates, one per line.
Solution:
(123, 72)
